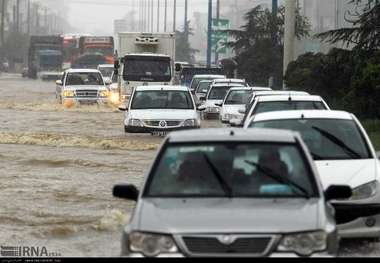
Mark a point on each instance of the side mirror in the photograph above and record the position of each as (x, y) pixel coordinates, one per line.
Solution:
(123, 108)
(116, 65)
(201, 108)
(107, 81)
(178, 67)
(378, 155)
(338, 192)
(202, 98)
(236, 123)
(128, 192)
(242, 111)
(219, 104)
(59, 82)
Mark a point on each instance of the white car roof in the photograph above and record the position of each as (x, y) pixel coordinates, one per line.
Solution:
(209, 76)
(240, 135)
(82, 71)
(230, 80)
(147, 54)
(219, 85)
(302, 114)
(286, 98)
(240, 88)
(162, 87)
(280, 92)
(106, 66)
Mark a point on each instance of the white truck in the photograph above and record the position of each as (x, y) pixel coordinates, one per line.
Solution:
(144, 59)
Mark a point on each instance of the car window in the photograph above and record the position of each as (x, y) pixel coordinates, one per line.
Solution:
(84, 78)
(162, 100)
(203, 87)
(269, 106)
(237, 97)
(327, 139)
(218, 93)
(193, 170)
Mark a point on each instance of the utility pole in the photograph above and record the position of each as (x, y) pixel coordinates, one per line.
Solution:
(18, 16)
(3, 5)
(158, 16)
(166, 16)
(174, 15)
(28, 23)
(186, 14)
(152, 16)
(217, 22)
(290, 26)
(209, 33)
(45, 20)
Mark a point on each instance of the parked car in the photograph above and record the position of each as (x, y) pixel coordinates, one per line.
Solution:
(228, 193)
(197, 78)
(215, 95)
(235, 99)
(84, 86)
(343, 154)
(161, 109)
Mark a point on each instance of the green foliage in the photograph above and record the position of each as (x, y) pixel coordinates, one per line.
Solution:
(259, 45)
(184, 52)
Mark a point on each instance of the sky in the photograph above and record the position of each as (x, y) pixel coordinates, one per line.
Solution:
(96, 16)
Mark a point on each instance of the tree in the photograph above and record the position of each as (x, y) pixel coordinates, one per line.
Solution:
(365, 31)
(259, 44)
(184, 52)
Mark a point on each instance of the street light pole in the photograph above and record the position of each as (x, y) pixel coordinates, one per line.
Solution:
(209, 32)
(217, 19)
(174, 15)
(290, 26)
(152, 16)
(158, 16)
(166, 16)
(185, 22)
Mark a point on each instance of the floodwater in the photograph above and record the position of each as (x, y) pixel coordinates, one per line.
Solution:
(58, 167)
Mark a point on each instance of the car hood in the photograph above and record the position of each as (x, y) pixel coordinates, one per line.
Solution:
(211, 103)
(228, 215)
(232, 109)
(85, 87)
(347, 172)
(167, 114)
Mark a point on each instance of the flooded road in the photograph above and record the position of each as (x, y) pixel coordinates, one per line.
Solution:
(58, 167)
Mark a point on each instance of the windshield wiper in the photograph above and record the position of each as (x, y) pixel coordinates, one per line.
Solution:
(338, 142)
(283, 180)
(225, 186)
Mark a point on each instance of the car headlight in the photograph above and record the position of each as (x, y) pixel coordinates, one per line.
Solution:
(135, 123)
(365, 191)
(190, 123)
(104, 93)
(304, 244)
(68, 93)
(151, 245)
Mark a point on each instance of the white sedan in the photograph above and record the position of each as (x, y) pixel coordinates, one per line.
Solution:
(161, 109)
(343, 154)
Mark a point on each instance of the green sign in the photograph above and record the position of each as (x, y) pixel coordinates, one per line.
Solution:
(219, 37)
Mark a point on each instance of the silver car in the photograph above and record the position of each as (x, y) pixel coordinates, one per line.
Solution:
(228, 193)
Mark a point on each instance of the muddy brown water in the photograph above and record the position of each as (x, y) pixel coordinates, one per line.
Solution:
(58, 167)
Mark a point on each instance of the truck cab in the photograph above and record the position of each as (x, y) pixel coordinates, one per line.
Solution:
(146, 59)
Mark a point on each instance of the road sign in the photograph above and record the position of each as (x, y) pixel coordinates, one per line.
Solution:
(219, 37)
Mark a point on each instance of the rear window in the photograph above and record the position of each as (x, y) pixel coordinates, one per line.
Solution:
(269, 106)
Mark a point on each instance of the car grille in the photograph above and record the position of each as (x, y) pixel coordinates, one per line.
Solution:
(86, 93)
(156, 123)
(211, 245)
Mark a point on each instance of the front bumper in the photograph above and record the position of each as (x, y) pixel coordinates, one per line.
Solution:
(135, 129)
(97, 100)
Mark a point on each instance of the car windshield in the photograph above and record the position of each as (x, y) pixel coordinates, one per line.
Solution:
(237, 97)
(147, 69)
(162, 100)
(231, 170)
(269, 106)
(203, 87)
(327, 139)
(84, 78)
(106, 71)
(218, 93)
(196, 81)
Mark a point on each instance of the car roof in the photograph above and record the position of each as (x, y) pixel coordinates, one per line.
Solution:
(230, 80)
(240, 88)
(280, 92)
(303, 114)
(220, 85)
(227, 134)
(147, 54)
(162, 87)
(289, 97)
(82, 71)
(106, 66)
(209, 76)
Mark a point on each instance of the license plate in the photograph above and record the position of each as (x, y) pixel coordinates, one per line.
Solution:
(160, 133)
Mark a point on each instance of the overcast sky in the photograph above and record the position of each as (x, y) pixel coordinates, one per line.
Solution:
(96, 16)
